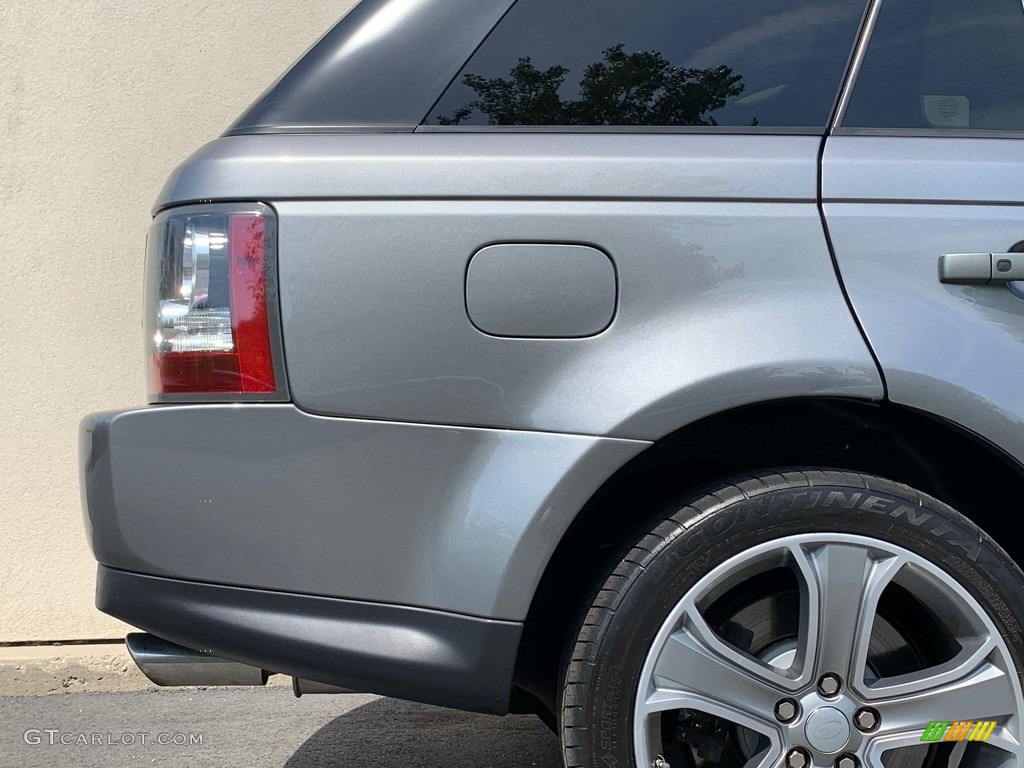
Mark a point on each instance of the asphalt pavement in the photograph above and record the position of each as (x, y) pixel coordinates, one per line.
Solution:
(257, 727)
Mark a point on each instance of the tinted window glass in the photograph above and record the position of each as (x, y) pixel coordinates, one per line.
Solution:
(949, 64)
(657, 62)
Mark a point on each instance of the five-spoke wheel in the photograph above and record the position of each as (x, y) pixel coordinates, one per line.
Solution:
(805, 619)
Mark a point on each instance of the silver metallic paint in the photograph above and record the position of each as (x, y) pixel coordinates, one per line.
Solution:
(951, 350)
(728, 297)
(720, 305)
(715, 238)
(541, 290)
(976, 171)
(489, 166)
(266, 496)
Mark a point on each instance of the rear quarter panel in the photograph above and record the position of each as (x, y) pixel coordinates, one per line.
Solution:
(727, 293)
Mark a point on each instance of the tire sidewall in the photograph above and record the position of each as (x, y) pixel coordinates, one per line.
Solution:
(709, 533)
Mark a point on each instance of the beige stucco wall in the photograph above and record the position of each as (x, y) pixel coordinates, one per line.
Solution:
(99, 100)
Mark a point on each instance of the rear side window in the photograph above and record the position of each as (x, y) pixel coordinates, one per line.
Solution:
(943, 64)
(737, 63)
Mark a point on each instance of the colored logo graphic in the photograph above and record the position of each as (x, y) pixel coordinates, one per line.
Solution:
(961, 730)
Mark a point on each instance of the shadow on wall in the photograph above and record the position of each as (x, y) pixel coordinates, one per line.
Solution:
(387, 732)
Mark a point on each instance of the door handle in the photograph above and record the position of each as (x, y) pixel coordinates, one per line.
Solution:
(980, 268)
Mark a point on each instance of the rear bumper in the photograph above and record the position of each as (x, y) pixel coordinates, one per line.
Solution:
(393, 558)
(428, 656)
(456, 519)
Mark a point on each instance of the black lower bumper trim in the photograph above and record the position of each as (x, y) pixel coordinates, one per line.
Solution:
(408, 653)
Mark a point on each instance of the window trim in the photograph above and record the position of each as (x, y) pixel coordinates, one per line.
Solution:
(930, 133)
(737, 130)
(860, 51)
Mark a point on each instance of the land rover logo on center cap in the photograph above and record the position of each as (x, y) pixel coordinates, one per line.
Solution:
(827, 730)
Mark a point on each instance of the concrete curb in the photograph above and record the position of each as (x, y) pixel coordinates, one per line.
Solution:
(43, 670)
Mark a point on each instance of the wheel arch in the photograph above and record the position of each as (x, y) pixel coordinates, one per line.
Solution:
(918, 449)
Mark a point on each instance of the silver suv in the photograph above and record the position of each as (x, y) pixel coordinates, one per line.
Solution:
(652, 366)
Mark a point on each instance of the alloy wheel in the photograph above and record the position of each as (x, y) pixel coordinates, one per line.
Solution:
(831, 650)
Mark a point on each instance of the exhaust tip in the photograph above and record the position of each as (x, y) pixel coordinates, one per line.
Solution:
(169, 664)
(301, 687)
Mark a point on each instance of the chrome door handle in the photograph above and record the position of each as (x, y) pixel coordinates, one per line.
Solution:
(980, 268)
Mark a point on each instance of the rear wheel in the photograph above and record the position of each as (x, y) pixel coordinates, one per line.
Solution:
(797, 619)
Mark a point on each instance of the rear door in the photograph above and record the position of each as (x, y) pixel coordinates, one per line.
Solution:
(928, 160)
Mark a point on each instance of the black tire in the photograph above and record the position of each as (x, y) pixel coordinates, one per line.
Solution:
(603, 661)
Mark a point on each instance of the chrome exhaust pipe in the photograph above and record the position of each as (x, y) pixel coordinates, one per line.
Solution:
(300, 687)
(166, 663)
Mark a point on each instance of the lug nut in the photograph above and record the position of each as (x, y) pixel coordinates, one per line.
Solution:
(785, 710)
(866, 719)
(829, 685)
(798, 758)
(846, 761)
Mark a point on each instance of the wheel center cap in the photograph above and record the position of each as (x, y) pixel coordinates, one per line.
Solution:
(827, 730)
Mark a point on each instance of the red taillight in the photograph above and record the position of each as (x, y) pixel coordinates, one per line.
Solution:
(249, 303)
(212, 332)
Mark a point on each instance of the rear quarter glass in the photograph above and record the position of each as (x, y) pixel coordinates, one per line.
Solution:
(743, 64)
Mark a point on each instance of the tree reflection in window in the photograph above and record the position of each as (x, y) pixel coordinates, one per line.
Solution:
(640, 88)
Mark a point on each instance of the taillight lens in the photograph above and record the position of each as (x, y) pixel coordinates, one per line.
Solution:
(210, 331)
